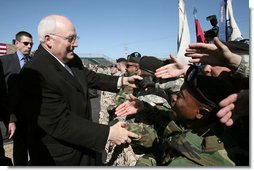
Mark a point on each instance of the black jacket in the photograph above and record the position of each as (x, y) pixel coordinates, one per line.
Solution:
(57, 111)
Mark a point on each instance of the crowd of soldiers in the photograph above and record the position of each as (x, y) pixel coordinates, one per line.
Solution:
(176, 108)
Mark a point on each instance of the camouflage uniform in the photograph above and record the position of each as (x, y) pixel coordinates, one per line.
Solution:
(116, 155)
(142, 126)
(148, 124)
(107, 99)
(126, 155)
(183, 147)
(172, 85)
(243, 69)
(120, 155)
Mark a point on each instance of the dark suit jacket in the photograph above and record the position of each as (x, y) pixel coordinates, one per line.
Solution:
(10, 69)
(4, 112)
(58, 111)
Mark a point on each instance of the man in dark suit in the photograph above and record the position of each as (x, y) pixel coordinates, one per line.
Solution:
(55, 102)
(12, 65)
(5, 117)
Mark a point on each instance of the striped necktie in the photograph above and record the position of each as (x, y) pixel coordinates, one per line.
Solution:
(25, 59)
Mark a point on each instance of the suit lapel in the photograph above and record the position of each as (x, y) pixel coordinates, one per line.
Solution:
(16, 64)
(63, 72)
(69, 78)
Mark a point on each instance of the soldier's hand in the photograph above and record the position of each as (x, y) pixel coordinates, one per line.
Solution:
(234, 106)
(119, 134)
(213, 54)
(171, 70)
(129, 107)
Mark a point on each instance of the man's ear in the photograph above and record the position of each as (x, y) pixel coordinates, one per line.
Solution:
(203, 111)
(16, 42)
(48, 40)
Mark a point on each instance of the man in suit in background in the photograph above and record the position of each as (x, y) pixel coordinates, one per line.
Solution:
(55, 85)
(12, 64)
(5, 117)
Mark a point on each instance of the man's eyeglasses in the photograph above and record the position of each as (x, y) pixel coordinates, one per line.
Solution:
(28, 43)
(70, 39)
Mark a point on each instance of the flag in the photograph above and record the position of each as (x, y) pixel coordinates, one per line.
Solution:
(183, 39)
(3, 49)
(199, 33)
(235, 31)
(222, 21)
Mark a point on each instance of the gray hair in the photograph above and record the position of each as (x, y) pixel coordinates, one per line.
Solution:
(47, 25)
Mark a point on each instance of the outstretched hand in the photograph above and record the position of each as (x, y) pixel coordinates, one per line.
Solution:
(234, 106)
(171, 70)
(213, 54)
(129, 107)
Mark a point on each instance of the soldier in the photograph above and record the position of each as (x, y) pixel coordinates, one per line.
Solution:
(121, 65)
(123, 155)
(132, 66)
(152, 116)
(196, 137)
(132, 69)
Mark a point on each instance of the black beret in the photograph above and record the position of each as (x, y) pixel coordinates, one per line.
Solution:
(121, 60)
(134, 54)
(150, 64)
(134, 57)
(207, 89)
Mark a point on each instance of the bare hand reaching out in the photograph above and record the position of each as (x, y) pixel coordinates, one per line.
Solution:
(213, 54)
(172, 70)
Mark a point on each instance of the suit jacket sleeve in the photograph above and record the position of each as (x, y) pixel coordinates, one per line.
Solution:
(95, 80)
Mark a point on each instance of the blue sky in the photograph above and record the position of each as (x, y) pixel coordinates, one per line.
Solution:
(117, 27)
